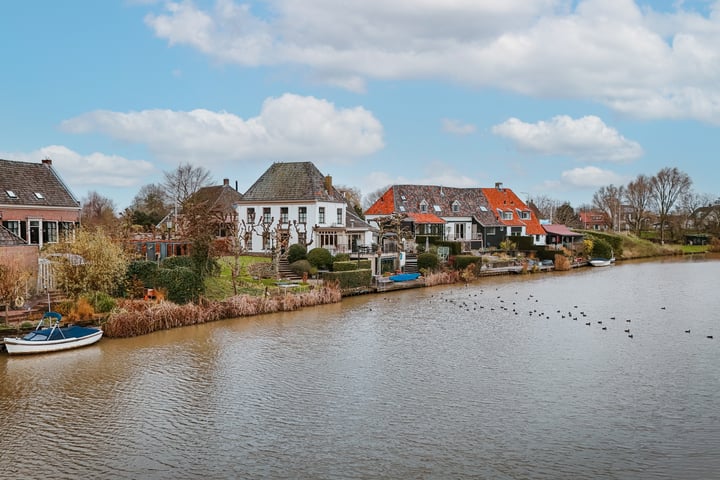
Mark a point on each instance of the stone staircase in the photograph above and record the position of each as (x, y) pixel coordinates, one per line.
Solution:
(411, 265)
(34, 308)
(284, 270)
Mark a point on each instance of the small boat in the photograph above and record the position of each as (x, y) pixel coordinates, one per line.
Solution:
(601, 262)
(404, 277)
(49, 336)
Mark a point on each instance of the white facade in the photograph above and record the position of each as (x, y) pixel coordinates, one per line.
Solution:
(277, 225)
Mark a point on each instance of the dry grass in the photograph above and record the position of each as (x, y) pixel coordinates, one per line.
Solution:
(441, 278)
(137, 317)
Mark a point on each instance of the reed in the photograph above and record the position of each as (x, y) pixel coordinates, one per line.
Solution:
(442, 278)
(137, 317)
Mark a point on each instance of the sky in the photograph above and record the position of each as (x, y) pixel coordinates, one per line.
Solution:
(553, 98)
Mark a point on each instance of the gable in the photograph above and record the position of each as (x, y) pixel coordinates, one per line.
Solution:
(33, 184)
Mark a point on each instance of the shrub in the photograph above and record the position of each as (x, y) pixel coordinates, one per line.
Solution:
(142, 270)
(296, 252)
(341, 257)
(351, 265)
(180, 261)
(349, 279)
(182, 284)
(320, 258)
(461, 262)
(101, 302)
(601, 248)
(302, 266)
(428, 261)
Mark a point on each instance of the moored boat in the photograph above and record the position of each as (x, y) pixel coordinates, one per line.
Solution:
(601, 262)
(404, 277)
(49, 336)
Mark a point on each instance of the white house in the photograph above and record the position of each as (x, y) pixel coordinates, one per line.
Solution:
(295, 203)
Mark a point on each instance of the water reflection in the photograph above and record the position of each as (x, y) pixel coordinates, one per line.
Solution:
(496, 380)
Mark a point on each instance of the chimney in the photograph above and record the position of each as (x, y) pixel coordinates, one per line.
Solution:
(498, 185)
(328, 183)
(226, 182)
(236, 185)
(47, 161)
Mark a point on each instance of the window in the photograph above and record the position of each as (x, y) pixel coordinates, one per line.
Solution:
(525, 215)
(456, 206)
(423, 206)
(50, 232)
(251, 215)
(302, 238)
(248, 241)
(284, 215)
(13, 226)
(483, 209)
(402, 208)
(321, 215)
(39, 195)
(302, 214)
(266, 241)
(328, 239)
(490, 231)
(459, 231)
(507, 215)
(266, 215)
(10, 194)
(437, 208)
(339, 216)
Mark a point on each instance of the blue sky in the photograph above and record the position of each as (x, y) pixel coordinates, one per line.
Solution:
(551, 97)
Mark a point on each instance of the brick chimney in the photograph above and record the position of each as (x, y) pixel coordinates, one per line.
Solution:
(498, 185)
(328, 183)
(226, 182)
(47, 161)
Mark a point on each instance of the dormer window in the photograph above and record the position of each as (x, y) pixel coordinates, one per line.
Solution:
(456, 206)
(10, 194)
(525, 215)
(507, 215)
(423, 206)
(39, 195)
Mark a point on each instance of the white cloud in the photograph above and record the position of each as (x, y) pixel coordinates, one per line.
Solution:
(586, 138)
(94, 170)
(290, 127)
(641, 62)
(591, 177)
(456, 127)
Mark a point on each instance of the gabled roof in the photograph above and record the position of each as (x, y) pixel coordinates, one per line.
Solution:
(292, 182)
(218, 198)
(468, 202)
(503, 199)
(353, 221)
(33, 184)
(7, 238)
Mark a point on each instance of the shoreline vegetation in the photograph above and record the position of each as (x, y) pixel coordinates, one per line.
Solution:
(132, 317)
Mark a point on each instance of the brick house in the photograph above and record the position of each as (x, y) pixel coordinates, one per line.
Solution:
(35, 204)
(516, 217)
(442, 213)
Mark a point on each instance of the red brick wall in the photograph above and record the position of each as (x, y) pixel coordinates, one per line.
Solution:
(22, 214)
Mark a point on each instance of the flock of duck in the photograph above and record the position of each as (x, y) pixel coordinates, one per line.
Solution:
(512, 306)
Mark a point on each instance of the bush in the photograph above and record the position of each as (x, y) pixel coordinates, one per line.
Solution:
(174, 262)
(341, 257)
(428, 261)
(296, 252)
(320, 258)
(461, 262)
(101, 302)
(142, 270)
(601, 248)
(182, 284)
(350, 265)
(349, 279)
(302, 266)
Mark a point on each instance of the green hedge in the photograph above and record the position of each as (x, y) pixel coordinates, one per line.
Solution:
(296, 252)
(320, 258)
(349, 279)
(180, 261)
(345, 266)
(455, 247)
(428, 261)
(182, 284)
(461, 262)
(144, 271)
(614, 241)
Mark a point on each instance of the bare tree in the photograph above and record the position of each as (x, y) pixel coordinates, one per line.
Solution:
(609, 200)
(98, 211)
(543, 206)
(638, 196)
(185, 180)
(566, 215)
(667, 186)
(374, 196)
(353, 197)
(150, 205)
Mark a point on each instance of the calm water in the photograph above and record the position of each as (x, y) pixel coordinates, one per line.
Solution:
(493, 380)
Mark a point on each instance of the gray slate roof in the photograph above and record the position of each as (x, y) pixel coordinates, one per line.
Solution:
(219, 198)
(470, 202)
(26, 179)
(289, 182)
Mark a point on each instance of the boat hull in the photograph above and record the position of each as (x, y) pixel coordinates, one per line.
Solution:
(18, 346)
(601, 262)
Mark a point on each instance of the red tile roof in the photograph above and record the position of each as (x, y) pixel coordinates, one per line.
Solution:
(384, 205)
(504, 200)
(425, 218)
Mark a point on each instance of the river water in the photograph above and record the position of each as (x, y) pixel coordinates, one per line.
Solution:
(505, 378)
